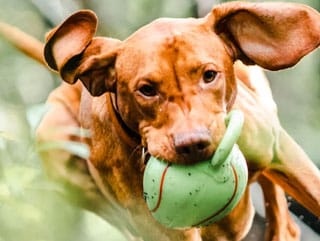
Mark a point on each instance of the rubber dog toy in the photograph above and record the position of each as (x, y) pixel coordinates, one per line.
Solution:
(182, 196)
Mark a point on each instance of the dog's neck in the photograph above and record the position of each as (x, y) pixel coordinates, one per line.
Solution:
(128, 136)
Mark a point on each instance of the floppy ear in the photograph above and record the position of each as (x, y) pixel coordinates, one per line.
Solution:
(272, 35)
(72, 49)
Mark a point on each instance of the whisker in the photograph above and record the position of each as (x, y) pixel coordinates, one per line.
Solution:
(145, 155)
(143, 152)
(135, 151)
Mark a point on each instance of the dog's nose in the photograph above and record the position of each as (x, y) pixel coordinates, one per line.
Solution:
(192, 143)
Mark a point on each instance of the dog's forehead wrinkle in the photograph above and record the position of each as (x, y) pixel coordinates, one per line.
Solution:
(165, 31)
(167, 47)
(180, 104)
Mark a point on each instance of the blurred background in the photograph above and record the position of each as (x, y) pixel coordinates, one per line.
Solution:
(30, 206)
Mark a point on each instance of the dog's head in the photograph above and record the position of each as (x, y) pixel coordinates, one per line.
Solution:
(173, 79)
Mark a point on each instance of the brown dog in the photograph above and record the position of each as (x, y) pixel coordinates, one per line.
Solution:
(167, 89)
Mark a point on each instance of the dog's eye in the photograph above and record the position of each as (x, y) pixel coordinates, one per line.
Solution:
(209, 76)
(148, 90)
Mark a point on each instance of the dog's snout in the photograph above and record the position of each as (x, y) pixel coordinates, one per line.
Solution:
(192, 143)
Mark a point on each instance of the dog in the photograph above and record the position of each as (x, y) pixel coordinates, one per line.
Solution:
(165, 91)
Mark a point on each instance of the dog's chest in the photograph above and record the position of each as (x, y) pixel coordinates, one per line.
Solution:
(118, 164)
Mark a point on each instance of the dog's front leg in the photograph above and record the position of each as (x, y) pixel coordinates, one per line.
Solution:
(150, 230)
(279, 224)
(292, 169)
(233, 227)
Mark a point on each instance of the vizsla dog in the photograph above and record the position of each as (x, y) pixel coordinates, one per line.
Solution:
(165, 91)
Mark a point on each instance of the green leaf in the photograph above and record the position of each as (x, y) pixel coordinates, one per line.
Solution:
(35, 114)
(7, 136)
(76, 148)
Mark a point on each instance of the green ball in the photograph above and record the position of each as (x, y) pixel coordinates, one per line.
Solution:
(183, 196)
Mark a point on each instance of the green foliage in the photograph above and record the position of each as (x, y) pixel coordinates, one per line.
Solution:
(31, 207)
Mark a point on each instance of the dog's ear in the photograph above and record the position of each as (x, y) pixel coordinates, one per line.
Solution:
(72, 49)
(272, 35)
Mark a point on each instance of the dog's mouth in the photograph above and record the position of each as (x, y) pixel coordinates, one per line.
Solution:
(217, 154)
(183, 159)
(193, 157)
